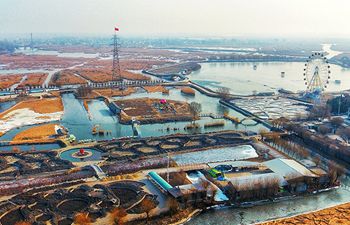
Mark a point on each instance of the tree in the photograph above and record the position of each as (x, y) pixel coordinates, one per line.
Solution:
(147, 205)
(320, 111)
(117, 216)
(82, 219)
(335, 171)
(337, 121)
(7, 47)
(173, 205)
(195, 109)
(84, 91)
(224, 92)
(317, 160)
(323, 129)
(345, 132)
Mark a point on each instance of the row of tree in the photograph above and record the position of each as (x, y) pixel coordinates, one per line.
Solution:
(7, 47)
(324, 144)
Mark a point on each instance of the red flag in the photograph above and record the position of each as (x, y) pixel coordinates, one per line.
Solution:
(116, 29)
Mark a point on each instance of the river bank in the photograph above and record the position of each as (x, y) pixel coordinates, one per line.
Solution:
(335, 215)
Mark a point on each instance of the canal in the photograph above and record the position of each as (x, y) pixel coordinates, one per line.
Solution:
(255, 214)
(80, 123)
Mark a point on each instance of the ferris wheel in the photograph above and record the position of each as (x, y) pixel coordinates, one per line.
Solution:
(317, 73)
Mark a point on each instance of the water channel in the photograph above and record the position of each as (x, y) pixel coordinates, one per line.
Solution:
(255, 214)
(100, 115)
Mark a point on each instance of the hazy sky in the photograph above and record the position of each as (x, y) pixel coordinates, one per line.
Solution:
(288, 18)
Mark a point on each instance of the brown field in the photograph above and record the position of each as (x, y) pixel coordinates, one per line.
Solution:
(333, 216)
(151, 89)
(125, 64)
(34, 79)
(36, 134)
(18, 61)
(148, 110)
(77, 48)
(115, 92)
(133, 76)
(100, 75)
(95, 75)
(43, 106)
(66, 77)
(6, 81)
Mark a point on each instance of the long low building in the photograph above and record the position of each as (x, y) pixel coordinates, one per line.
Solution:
(289, 169)
(159, 181)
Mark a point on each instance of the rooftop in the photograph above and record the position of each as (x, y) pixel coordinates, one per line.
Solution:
(288, 168)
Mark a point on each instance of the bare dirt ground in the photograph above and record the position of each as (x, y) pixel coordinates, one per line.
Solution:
(36, 134)
(333, 216)
(150, 110)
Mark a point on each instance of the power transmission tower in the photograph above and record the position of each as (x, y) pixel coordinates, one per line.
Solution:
(31, 41)
(116, 74)
(31, 45)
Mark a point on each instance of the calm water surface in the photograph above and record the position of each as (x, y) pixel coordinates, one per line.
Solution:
(241, 78)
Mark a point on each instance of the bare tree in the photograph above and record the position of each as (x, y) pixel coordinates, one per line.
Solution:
(337, 122)
(320, 111)
(195, 109)
(316, 160)
(345, 132)
(224, 92)
(117, 216)
(323, 129)
(335, 171)
(173, 205)
(84, 91)
(147, 205)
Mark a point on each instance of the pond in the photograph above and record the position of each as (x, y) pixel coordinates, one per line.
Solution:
(68, 155)
(80, 123)
(216, 155)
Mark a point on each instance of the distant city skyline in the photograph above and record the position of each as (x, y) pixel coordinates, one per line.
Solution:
(189, 18)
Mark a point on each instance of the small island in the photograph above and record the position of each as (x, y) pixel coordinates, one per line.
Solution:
(151, 110)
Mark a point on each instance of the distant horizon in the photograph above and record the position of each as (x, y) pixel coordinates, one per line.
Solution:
(163, 36)
(180, 18)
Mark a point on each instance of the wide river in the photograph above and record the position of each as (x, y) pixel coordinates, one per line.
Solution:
(241, 78)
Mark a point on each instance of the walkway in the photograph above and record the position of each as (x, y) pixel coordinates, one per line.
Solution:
(99, 172)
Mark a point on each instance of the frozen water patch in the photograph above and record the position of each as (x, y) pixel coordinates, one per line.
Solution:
(217, 155)
(24, 117)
